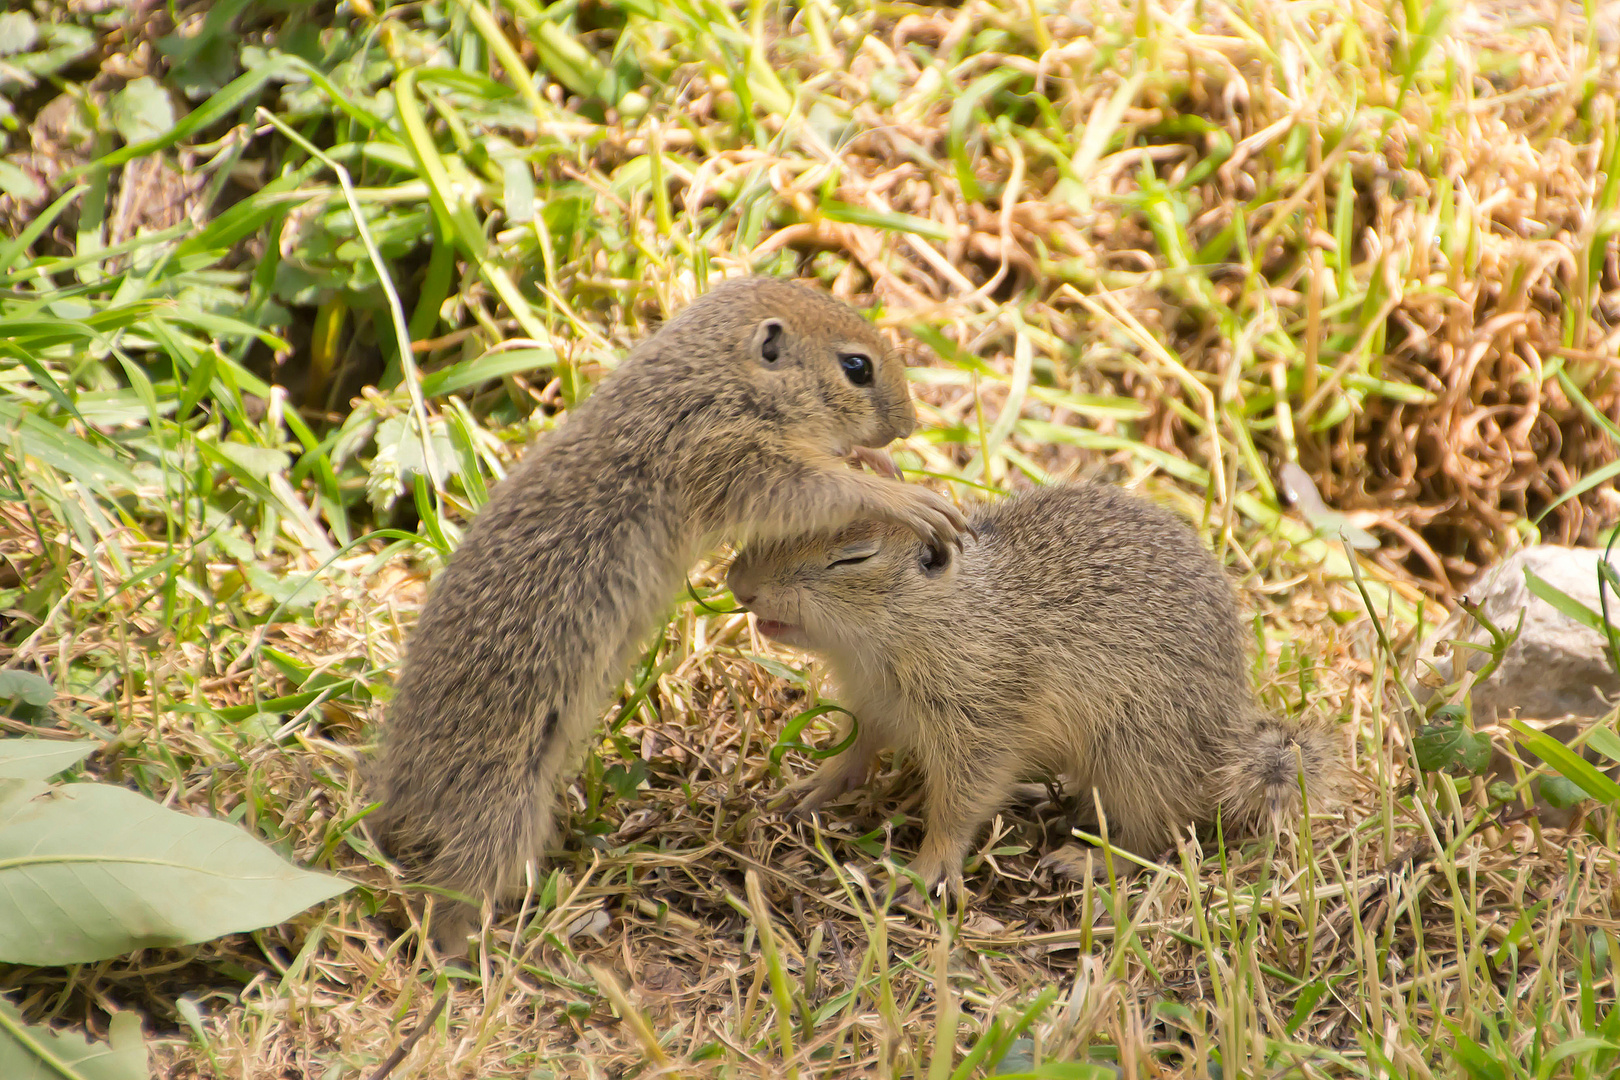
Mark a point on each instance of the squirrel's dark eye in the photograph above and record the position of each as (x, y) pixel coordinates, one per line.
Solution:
(857, 368)
(935, 558)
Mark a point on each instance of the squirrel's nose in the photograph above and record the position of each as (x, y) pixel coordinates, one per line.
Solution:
(745, 597)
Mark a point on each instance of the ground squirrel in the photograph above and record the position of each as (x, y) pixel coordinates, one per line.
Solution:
(733, 422)
(1083, 633)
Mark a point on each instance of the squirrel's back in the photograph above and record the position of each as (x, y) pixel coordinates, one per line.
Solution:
(1152, 620)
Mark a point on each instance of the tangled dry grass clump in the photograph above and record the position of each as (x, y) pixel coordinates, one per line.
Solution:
(1174, 245)
(1273, 214)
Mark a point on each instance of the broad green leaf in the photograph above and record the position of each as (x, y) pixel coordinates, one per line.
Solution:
(93, 871)
(1309, 996)
(28, 1052)
(1449, 746)
(294, 591)
(1474, 756)
(40, 759)
(26, 687)
(142, 110)
(517, 177)
(1560, 793)
(19, 183)
(1449, 714)
(18, 33)
(259, 462)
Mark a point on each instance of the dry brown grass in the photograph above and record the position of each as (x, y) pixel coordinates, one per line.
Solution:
(1207, 238)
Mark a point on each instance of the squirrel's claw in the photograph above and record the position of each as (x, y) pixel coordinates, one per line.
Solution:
(878, 461)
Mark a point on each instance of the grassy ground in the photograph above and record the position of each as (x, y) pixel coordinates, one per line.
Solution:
(1169, 245)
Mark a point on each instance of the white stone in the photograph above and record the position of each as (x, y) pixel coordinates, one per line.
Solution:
(1557, 667)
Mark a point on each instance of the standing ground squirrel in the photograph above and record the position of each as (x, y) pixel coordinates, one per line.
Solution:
(1084, 633)
(733, 421)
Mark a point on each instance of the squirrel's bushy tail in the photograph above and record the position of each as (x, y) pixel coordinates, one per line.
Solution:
(1259, 786)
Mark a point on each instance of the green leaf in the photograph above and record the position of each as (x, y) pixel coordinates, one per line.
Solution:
(1020, 1057)
(1563, 602)
(1434, 745)
(297, 591)
(10, 249)
(40, 759)
(789, 739)
(225, 103)
(1474, 756)
(1581, 487)
(1568, 763)
(1451, 747)
(517, 178)
(1560, 793)
(1605, 741)
(963, 120)
(890, 220)
(1449, 714)
(1309, 997)
(93, 871)
(142, 111)
(76, 457)
(568, 61)
(259, 462)
(28, 1052)
(19, 184)
(1474, 1058)
(776, 667)
(60, 44)
(486, 368)
(26, 688)
(399, 458)
(1063, 1070)
(18, 33)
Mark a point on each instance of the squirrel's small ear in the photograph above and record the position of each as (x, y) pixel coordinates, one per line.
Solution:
(768, 340)
(935, 559)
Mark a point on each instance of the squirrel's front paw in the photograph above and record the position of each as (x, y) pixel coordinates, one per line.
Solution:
(804, 796)
(933, 517)
(942, 883)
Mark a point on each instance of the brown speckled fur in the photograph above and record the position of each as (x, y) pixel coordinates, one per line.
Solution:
(696, 437)
(1083, 633)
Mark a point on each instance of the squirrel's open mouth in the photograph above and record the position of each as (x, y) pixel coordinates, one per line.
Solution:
(786, 633)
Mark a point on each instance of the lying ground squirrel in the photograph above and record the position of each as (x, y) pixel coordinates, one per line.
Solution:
(1084, 633)
(733, 421)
